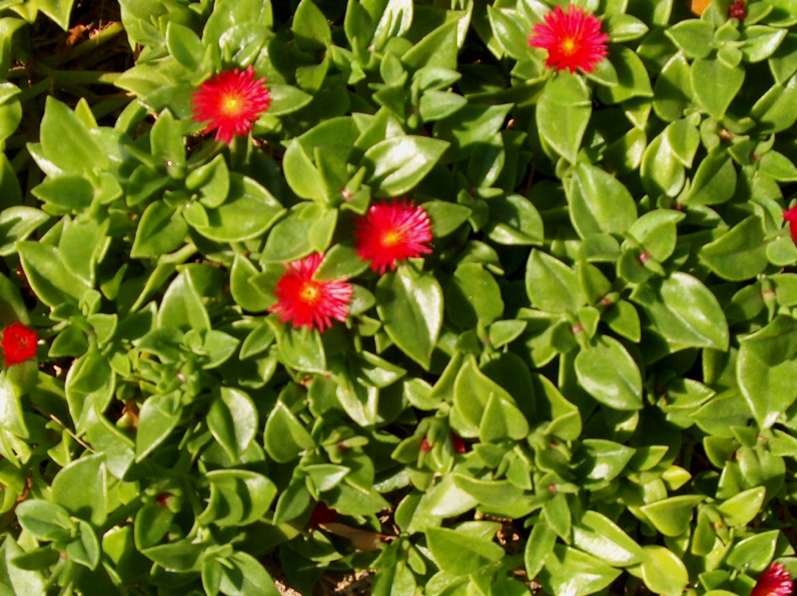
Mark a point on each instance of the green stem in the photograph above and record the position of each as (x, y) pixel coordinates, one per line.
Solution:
(78, 77)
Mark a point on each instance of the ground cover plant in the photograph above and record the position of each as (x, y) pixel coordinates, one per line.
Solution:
(488, 298)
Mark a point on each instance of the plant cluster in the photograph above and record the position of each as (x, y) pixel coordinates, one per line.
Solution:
(488, 297)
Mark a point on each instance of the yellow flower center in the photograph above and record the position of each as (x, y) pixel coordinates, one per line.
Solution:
(231, 105)
(310, 293)
(569, 46)
(392, 238)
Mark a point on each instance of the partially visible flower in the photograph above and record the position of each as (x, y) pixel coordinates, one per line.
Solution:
(790, 215)
(775, 581)
(322, 514)
(737, 10)
(425, 445)
(573, 39)
(230, 102)
(457, 443)
(19, 343)
(309, 302)
(391, 232)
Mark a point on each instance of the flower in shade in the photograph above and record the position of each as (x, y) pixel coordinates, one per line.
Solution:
(737, 10)
(391, 232)
(230, 102)
(775, 581)
(790, 215)
(310, 302)
(457, 443)
(573, 39)
(425, 445)
(19, 343)
(322, 514)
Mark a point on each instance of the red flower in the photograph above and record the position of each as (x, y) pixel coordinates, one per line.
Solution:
(322, 515)
(737, 10)
(457, 443)
(425, 446)
(573, 39)
(775, 581)
(309, 302)
(392, 232)
(19, 344)
(231, 101)
(790, 215)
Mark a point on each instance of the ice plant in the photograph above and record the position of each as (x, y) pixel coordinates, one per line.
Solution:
(322, 514)
(230, 102)
(310, 302)
(390, 232)
(457, 443)
(19, 343)
(737, 10)
(775, 581)
(790, 215)
(573, 39)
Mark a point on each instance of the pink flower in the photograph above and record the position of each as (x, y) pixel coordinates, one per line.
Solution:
(573, 39)
(309, 302)
(775, 581)
(322, 514)
(231, 101)
(391, 232)
(19, 344)
(790, 215)
(737, 10)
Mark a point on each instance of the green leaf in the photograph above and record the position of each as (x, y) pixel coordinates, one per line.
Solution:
(472, 392)
(57, 10)
(11, 416)
(211, 182)
(599, 202)
(569, 572)
(16, 224)
(286, 99)
(739, 253)
(765, 365)
(85, 548)
(48, 275)
(91, 501)
(597, 535)
(551, 285)
(609, 374)
(237, 498)
(459, 554)
(158, 417)
(715, 84)
(66, 141)
(632, 77)
(472, 296)
(232, 420)
(663, 572)
(160, 231)
(684, 311)
(714, 181)
(563, 112)
(285, 437)
(514, 221)
(754, 552)
(695, 38)
(44, 520)
(184, 45)
(310, 27)
(410, 304)
(397, 165)
(672, 92)
(247, 213)
(502, 420)
(540, 544)
(671, 516)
